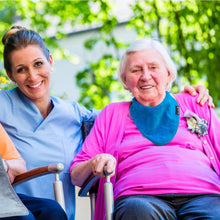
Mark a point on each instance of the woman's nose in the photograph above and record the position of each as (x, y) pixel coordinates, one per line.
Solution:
(146, 74)
(32, 74)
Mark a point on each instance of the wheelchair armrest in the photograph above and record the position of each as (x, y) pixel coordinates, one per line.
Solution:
(54, 168)
(89, 186)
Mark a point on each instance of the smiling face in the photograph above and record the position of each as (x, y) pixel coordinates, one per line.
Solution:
(146, 76)
(31, 71)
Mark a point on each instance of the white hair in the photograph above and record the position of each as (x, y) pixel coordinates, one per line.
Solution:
(145, 44)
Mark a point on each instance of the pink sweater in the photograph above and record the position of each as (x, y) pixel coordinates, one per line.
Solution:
(185, 165)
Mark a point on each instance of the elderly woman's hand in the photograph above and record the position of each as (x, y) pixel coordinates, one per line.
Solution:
(203, 94)
(99, 161)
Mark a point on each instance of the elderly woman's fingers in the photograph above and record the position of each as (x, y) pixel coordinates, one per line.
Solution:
(110, 167)
(100, 161)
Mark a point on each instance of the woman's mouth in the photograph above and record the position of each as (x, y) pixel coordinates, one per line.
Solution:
(36, 85)
(146, 87)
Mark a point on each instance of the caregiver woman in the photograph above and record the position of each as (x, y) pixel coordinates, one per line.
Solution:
(45, 129)
(164, 149)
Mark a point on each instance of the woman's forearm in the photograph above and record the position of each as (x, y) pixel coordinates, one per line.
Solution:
(81, 172)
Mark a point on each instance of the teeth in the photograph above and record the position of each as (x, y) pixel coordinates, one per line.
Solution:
(146, 87)
(35, 85)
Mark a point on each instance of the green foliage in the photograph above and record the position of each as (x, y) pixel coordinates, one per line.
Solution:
(190, 30)
(97, 82)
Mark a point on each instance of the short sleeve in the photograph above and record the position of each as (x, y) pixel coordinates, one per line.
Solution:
(8, 150)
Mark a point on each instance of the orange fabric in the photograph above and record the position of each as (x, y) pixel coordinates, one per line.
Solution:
(7, 148)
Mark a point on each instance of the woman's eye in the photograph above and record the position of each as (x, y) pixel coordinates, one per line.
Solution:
(135, 70)
(153, 67)
(39, 63)
(20, 70)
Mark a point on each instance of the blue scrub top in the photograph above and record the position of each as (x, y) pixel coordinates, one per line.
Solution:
(43, 142)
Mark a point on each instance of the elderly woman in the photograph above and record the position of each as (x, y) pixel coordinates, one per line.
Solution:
(164, 149)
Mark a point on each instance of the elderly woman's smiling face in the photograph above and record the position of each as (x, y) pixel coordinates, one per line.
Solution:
(146, 76)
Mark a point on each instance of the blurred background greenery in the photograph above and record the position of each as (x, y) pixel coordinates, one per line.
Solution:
(190, 29)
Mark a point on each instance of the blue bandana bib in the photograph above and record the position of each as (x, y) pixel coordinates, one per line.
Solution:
(159, 124)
